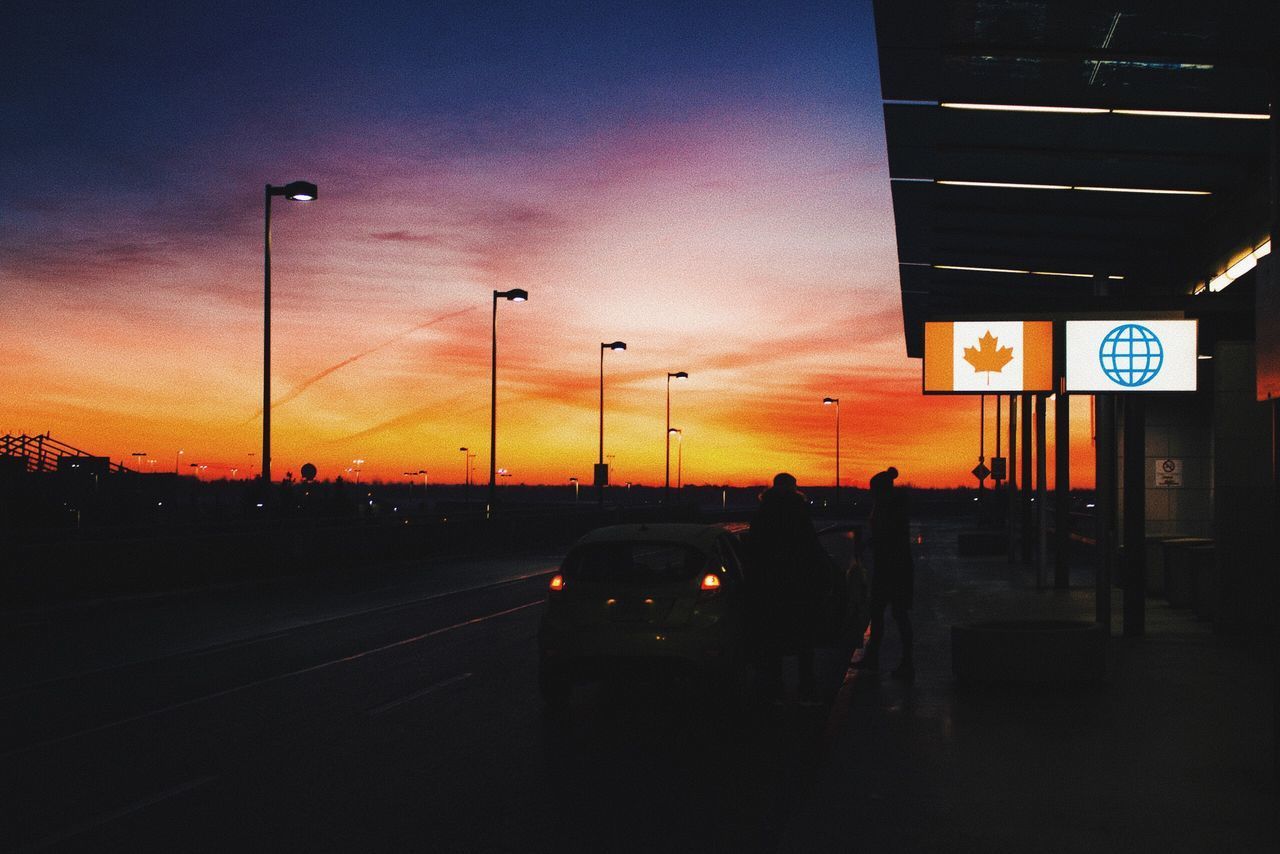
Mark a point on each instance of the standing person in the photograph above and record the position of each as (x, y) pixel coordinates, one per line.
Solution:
(785, 551)
(892, 572)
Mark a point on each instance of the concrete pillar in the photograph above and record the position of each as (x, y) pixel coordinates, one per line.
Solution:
(1062, 488)
(1135, 515)
(1015, 495)
(1042, 491)
(1104, 504)
(1027, 484)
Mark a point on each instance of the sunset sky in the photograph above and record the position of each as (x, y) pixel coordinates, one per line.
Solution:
(704, 181)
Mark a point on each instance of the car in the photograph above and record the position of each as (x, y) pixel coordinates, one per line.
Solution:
(645, 596)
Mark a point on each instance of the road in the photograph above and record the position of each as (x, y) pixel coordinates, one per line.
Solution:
(386, 711)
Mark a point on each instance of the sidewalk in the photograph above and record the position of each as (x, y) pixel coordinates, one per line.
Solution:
(1172, 754)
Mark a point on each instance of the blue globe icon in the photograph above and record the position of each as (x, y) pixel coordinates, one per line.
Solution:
(1131, 355)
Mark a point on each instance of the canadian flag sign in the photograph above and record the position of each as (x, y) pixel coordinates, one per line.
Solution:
(976, 357)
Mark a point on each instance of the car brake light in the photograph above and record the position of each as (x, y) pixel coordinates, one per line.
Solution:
(710, 581)
(557, 582)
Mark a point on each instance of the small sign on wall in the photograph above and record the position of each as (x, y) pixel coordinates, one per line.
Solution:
(1169, 472)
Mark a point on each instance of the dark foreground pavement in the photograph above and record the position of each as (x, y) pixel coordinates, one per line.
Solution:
(1173, 753)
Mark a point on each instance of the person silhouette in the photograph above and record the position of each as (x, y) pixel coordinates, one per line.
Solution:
(786, 553)
(892, 572)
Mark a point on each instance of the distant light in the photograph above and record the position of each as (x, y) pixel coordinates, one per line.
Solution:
(557, 582)
(161, 504)
(710, 581)
(1088, 506)
(260, 503)
(1204, 356)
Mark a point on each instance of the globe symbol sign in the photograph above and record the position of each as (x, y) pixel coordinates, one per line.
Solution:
(1131, 355)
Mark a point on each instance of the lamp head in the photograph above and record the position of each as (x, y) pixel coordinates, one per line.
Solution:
(675, 431)
(300, 191)
(513, 295)
(827, 401)
(615, 345)
(679, 375)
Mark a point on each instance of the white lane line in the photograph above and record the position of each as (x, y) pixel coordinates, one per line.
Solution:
(233, 644)
(137, 806)
(430, 689)
(269, 679)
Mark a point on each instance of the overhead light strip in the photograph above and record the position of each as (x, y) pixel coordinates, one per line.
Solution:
(1032, 108)
(1009, 185)
(1018, 272)
(1237, 268)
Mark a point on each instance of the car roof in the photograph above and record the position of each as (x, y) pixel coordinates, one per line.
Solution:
(702, 536)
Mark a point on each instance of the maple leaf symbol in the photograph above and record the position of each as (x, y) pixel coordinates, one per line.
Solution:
(987, 356)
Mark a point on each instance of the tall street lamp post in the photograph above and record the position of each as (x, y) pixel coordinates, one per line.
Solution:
(666, 486)
(602, 473)
(138, 461)
(296, 191)
(513, 295)
(679, 434)
(835, 401)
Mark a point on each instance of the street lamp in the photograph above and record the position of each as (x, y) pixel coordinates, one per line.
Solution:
(679, 434)
(666, 487)
(574, 481)
(602, 473)
(177, 458)
(357, 464)
(139, 455)
(835, 401)
(296, 191)
(513, 295)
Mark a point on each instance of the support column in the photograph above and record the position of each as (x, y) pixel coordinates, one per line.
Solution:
(1015, 499)
(1042, 492)
(1062, 488)
(1027, 483)
(1104, 504)
(1135, 515)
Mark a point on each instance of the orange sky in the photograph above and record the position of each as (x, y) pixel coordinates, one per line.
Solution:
(746, 240)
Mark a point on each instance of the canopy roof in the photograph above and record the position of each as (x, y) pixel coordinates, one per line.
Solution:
(950, 69)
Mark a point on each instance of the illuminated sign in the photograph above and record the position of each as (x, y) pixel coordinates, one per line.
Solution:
(1131, 355)
(975, 357)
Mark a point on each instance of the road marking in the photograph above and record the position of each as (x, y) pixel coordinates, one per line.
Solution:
(233, 644)
(430, 689)
(137, 806)
(265, 681)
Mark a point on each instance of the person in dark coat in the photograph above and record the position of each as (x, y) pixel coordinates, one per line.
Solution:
(785, 553)
(892, 571)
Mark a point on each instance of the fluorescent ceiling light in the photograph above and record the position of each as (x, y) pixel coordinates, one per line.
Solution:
(1033, 108)
(1187, 114)
(915, 180)
(1006, 185)
(1015, 186)
(1116, 278)
(1068, 275)
(979, 269)
(1020, 108)
(1262, 251)
(1219, 282)
(1144, 190)
(1200, 288)
(1241, 267)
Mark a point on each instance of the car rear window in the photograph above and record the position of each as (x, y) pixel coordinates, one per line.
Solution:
(634, 561)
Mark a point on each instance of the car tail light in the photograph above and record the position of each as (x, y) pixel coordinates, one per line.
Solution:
(557, 583)
(710, 581)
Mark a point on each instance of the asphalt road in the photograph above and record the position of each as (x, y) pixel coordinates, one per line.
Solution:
(390, 711)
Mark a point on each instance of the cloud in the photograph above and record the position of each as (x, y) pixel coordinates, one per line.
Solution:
(297, 390)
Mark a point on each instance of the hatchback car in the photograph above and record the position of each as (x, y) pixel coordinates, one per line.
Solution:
(637, 595)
